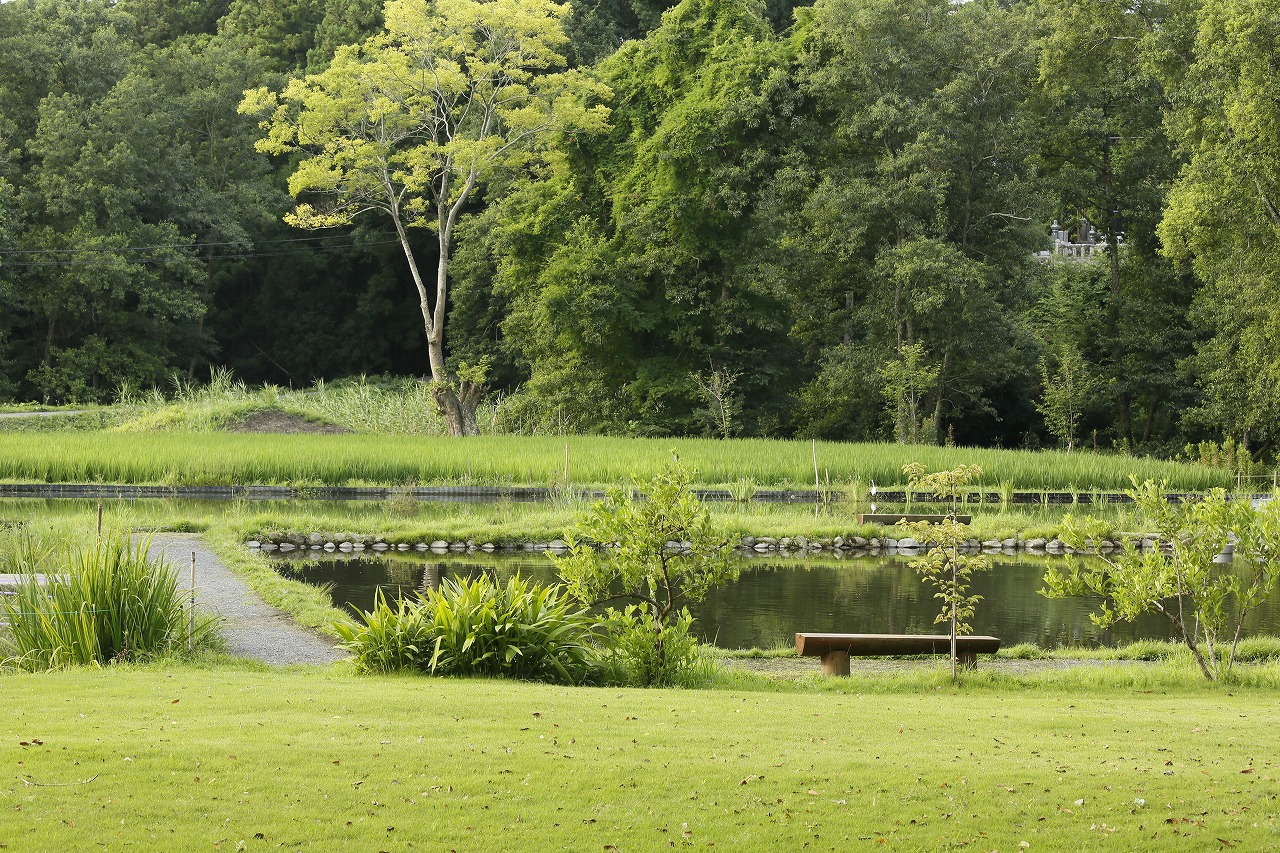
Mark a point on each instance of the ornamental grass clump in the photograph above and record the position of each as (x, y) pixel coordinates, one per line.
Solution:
(478, 627)
(94, 604)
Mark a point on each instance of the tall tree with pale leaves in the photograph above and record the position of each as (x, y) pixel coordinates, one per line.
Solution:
(412, 122)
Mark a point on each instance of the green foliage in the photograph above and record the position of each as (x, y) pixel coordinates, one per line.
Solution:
(788, 201)
(1228, 455)
(97, 603)
(944, 566)
(1224, 208)
(660, 548)
(193, 458)
(1205, 602)
(742, 490)
(633, 658)
(1069, 384)
(478, 627)
(1023, 651)
(410, 123)
(907, 379)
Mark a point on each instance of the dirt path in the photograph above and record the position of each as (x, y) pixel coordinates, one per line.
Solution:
(251, 628)
(14, 415)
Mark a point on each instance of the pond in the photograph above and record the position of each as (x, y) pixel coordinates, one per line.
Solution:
(776, 597)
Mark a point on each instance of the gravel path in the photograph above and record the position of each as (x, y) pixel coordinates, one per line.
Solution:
(251, 628)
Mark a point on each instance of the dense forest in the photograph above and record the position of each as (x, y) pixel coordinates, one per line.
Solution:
(1025, 224)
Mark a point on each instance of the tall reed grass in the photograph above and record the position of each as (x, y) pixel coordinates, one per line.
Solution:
(391, 406)
(228, 459)
(93, 604)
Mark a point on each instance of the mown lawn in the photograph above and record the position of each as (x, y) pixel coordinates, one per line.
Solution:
(230, 758)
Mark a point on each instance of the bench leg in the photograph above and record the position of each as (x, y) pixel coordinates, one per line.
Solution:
(835, 663)
(967, 660)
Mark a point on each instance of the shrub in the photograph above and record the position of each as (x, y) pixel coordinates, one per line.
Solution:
(98, 603)
(478, 627)
(1204, 600)
(1259, 649)
(1024, 651)
(635, 660)
(665, 552)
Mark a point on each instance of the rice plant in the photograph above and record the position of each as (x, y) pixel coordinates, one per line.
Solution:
(94, 604)
(742, 490)
(219, 459)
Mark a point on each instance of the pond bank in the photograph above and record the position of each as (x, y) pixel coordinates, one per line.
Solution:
(853, 546)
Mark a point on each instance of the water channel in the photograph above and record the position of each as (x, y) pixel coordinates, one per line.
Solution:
(776, 597)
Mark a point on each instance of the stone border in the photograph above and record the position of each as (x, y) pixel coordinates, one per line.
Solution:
(291, 542)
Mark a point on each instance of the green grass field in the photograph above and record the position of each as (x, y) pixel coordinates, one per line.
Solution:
(235, 759)
(211, 458)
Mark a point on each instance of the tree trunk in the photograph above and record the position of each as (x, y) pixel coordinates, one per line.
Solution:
(458, 407)
(1124, 420)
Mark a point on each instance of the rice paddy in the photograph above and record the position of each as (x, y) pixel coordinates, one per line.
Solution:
(213, 458)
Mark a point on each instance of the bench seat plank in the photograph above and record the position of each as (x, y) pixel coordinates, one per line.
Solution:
(892, 644)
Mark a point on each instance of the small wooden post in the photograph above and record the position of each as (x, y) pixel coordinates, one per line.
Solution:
(817, 484)
(566, 463)
(99, 519)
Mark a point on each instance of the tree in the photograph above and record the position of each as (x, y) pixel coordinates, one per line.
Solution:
(721, 404)
(662, 550)
(943, 565)
(1069, 384)
(642, 263)
(1106, 156)
(907, 378)
(1223, 213)
(410, 123)
(1205, 601)
(912, 211)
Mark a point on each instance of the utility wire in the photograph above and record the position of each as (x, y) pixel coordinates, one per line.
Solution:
(162, 246)
(237, 256)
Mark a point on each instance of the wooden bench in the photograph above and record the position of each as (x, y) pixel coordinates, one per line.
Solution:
(890, 518)
(835, 649)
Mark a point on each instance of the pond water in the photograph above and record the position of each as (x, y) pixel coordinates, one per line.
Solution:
(776, 597)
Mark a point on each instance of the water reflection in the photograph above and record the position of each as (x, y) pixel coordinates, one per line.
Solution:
(775, 597)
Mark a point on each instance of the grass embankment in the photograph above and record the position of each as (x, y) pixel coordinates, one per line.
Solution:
(253, 760)
(401, 520)
(334, 460)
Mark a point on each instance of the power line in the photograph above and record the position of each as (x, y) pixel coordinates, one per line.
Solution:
(161, 247)
(234, 256)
